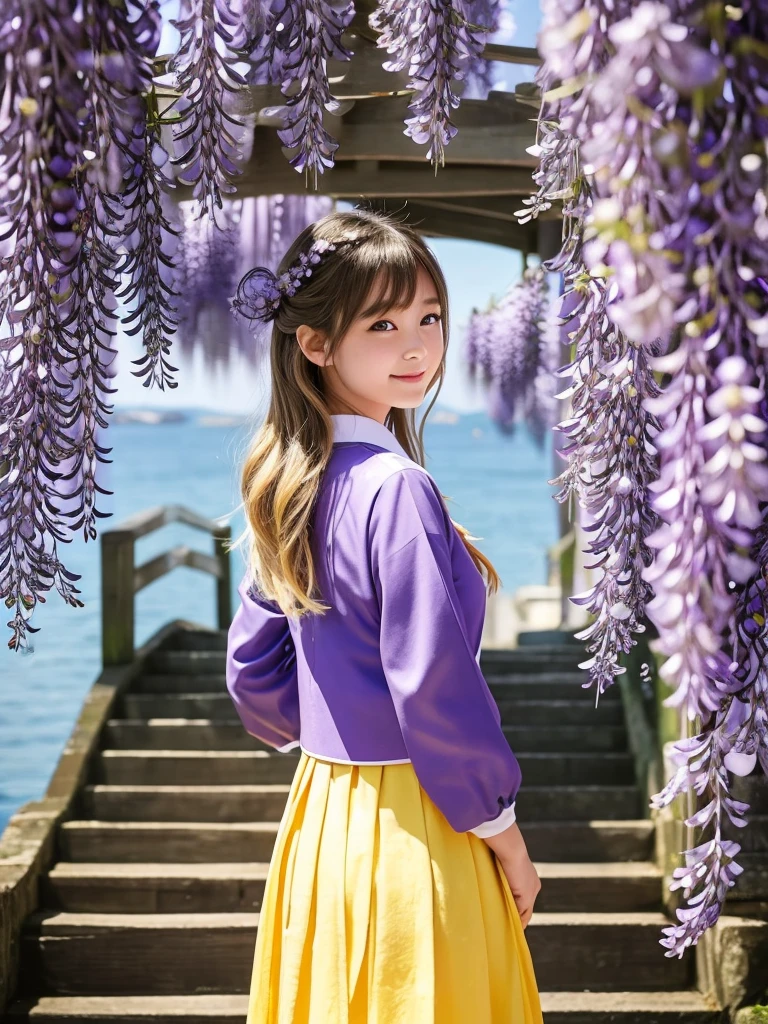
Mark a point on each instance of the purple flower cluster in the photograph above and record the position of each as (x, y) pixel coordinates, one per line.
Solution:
(653, 136)
(735, 740)
(73, 81)
(509, 346)
(205, 75)
(300, 37)
(438, 44)
(611, 462)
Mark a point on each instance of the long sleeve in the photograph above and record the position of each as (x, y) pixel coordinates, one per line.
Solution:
(449, 720)
(261, 671)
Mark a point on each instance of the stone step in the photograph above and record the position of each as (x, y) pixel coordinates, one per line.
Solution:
(224, 842)
(218, 734)
(241, 767)
(577, 711)
(524, 706)
(147, 888)
(521, 686)
(531, 659)
(685, 1006)
(682, 1007)
(193, 767)
(548, 686)
(198, 639)
(267, 802)
(182, 683)
(119, 954)
(539, 642)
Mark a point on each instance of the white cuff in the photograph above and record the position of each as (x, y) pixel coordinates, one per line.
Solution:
(289, 746)
(496, 825)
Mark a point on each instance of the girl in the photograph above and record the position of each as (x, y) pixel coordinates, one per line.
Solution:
(400, 885)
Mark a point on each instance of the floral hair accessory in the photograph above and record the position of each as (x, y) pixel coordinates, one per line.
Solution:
(260, 292)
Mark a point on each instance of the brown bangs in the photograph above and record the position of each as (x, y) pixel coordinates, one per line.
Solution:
(378, 275)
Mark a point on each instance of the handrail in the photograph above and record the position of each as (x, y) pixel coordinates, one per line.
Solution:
(122, 579)
(554, 556)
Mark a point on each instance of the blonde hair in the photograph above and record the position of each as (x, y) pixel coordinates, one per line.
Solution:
(290, 450)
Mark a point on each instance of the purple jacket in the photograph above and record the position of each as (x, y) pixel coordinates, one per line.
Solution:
(391, 673)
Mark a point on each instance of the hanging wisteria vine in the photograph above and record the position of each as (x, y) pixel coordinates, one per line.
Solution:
(301, 36)
(666, 104)
(509, 347)
(61, 154)
(204, 75)
(611, 463)
(437, 43)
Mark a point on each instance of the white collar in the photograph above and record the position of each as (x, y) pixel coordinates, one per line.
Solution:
(366, 430)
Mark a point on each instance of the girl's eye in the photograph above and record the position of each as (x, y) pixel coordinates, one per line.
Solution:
(437, 318)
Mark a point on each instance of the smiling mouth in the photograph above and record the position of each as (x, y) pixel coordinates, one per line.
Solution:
(409, 376)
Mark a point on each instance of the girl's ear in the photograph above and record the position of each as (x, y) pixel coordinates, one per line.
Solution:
(312, 344)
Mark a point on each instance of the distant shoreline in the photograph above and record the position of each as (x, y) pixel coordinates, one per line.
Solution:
(210, 418)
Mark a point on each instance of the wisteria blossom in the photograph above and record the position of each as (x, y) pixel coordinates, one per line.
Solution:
(301, 36)
(607, 471)
(490, 16)
(438, 44)
(611, 462)
(653, 136)
(540, 406)
(60, 154)
(150, 267)
(734, 741)
(205, 75)
(505, 346)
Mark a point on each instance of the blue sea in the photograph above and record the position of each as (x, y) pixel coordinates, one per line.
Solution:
(497, 486)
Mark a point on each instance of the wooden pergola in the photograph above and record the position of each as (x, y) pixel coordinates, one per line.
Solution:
(474, 196)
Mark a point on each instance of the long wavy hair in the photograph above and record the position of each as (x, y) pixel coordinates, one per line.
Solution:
(291, 448)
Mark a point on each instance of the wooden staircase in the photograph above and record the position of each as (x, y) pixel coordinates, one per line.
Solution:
(151, 911)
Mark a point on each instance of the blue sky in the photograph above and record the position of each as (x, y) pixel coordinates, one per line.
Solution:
(474, 271)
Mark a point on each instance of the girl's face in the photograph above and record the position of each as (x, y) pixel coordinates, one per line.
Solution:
(362, 375)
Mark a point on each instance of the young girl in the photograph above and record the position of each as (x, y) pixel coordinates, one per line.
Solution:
(399, 886)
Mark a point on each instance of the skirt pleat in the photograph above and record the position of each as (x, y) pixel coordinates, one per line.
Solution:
(376, 911)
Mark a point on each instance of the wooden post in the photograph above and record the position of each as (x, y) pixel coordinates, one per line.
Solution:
(117, 597)
(224, 579)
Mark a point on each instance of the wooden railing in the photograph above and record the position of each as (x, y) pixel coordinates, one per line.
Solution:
(121, 579)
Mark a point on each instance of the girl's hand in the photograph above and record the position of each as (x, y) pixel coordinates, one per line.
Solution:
(525, 884)
(510, 849)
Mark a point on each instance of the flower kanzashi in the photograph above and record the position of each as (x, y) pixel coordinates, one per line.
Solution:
(260, 291)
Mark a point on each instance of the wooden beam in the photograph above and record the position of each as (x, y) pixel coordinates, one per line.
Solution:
(497, 208)
(429, 219)
(268, 172)
(504, 146)
(512, 54)
(500, 110)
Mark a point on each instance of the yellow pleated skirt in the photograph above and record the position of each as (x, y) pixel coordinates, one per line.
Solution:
(376, 911)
